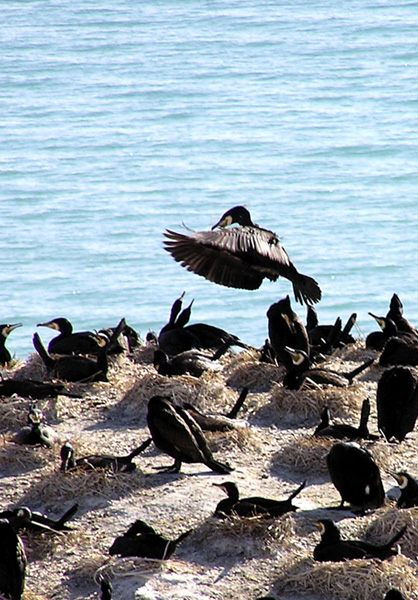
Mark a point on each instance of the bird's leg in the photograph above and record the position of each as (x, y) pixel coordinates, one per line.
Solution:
(173, 469)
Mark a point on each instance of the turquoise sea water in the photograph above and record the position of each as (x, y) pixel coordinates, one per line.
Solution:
(120, 119)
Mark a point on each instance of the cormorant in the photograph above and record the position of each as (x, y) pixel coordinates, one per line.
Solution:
(121, 464)
(12, 562)
(254, 505)
(397, 402)
(217, 422)
(69, 342)
(333, 548)
(396, 314)
(325, 338)
(78, 368)
(393, 594)
(30, 388)
(142, 540)
(342, 430)
(36, 432)
(106, 588)
(23, 518)
(285, 328)
(400, 350)
(355, 475)
(300, 372)
(191, 362)
(5, 329)
(240, 257)
(409, 490)
(176, 433)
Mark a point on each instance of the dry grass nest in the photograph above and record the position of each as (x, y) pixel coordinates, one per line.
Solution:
(245, 370)
(391, 521)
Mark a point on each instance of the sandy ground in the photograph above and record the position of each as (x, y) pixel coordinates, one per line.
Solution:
(221, 559)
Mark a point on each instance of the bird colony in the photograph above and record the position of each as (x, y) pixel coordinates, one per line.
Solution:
(188, 464)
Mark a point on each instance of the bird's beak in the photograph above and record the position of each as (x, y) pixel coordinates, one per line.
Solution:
(223, 222)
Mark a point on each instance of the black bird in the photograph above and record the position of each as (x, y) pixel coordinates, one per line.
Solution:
(325, 338)
(142, 540)
(106, 588)
(394, 595)
(79, 368)
(400, 350)
(36, 432)
(333, 548)
(300, 371)
(355, 475)
(342, 430)
(396, 314)
(191, 362)
(176, 433)
(70, 342)
(254, 505)
(285, 328)
(397, 402)
(5, 329)
(30, 388)
(121, 464)
(217, 422)
(240, 257)
(409, 490)
(23, 518)
(12, 562)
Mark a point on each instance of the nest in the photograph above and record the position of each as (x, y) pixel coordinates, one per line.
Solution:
(349, 580)
(244, 370)
(306, 454)
(391, 521)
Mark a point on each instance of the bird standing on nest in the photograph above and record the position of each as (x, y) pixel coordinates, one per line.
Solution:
(239, 257)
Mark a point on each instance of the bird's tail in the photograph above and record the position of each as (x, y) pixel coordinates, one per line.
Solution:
(351, 374)
(140, 448)
(67, 516)
(306, 289)
(42, 351)
(297, 491)
(218, 467)
(238, 404)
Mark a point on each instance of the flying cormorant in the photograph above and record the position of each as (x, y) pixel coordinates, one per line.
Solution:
(120, 464)
(142, 540)
(175, 432)
(254, 505)
(239, 257)
(5, 329)
(12, 562)
(397, 402)
(355, 475)
(333, 548)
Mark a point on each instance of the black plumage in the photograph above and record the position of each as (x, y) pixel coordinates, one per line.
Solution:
(142, 540)
(325, 338)
(333, 548)
(70, 342)
(239, 257)
(397, 402)
(30, 388)
(396, 314)
(23, 518)
(176, 433)
(344, 430)
(394, 594)
(12, 562)
(355, 475)
(5, 330)
(301, 371)
(191, 362)
(253, 505)
(218, 422)
(400, 350)
(121, 464)
(36, 432)
(286, 329)
(409, 490)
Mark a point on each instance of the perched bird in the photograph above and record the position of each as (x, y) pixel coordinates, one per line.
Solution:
(23, 518)
(121, 464)
(5, 329)
(400, 350)
(254, 505)
(378, 339)
(191, 362)
(217, 422)
(300, 371)
(286, 329)
(333, 548)
(397, 402)
(409, 490)
(325, 338)
(142, 540)
(70, 342)
(176, 433)
(36, 432)
(396, 314)
(342, 430)
(355, 475)
(239, 257)
(12, 562)
(30, 388)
